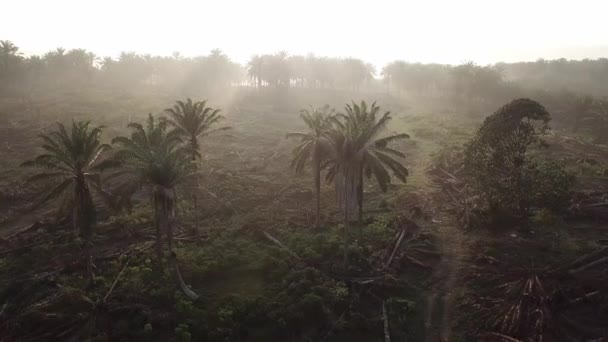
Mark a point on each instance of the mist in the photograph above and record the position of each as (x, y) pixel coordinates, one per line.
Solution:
(303, 171)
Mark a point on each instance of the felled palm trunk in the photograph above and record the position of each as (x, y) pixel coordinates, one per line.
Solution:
(168, 210)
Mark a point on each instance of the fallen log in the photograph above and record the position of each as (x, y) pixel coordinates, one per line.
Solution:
(105, 298)
(187, 291)
(387, 333)
(417, 262)
(396, 247)
(589, 265)
(585, 297)
(494, 336)
(584, 259)
(278, 243)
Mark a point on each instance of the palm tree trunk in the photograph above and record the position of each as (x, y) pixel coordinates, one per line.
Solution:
(83, 217)
(317, 190)
(346, 235)
(360, 193)
(168, 214)
(195, 194)
(157, 224)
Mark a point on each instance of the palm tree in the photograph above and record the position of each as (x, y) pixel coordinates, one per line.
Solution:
(193, 121)
(377, 156)
(255, 69)
(72, 163)
(313, 146)
(357, 152)
(152, 157)
(9, 52)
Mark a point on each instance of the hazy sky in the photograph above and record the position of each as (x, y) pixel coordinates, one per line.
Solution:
(378, 31)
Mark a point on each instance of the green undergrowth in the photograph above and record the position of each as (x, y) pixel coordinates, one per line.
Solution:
(249, 288)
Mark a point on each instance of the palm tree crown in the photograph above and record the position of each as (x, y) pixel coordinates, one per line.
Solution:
(152, 154)
(72, 163)
(313, 146)
(357, 151)
(153, 157)
(193, 121)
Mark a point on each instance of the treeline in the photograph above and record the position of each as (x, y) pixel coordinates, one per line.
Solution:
(78, 67)
(574, 91)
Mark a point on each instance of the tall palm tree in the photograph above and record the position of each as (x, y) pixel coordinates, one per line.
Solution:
(357, 151)
(72, 163)
(152, 157)
(193, 121)
(377, 156)
(313, 146)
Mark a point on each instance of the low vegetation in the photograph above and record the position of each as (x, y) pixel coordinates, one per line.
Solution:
(233, 219)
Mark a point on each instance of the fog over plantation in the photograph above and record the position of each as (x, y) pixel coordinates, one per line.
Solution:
(303, 171)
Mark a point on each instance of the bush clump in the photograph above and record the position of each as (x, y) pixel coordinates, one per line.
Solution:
(498, 167)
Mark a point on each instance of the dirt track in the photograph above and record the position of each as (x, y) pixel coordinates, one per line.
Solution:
(447, 277)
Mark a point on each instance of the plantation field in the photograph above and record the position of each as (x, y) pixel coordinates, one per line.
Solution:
(246, 243)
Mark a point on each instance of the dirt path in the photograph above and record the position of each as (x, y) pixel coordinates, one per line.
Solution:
(446, 277)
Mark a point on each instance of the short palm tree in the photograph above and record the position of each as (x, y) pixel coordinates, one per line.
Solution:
(314, 147)
(357, 151)
(153, 157)
(193, 121)
(72, 164)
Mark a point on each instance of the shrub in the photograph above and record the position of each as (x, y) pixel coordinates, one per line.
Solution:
(549, 185)
(495, 159)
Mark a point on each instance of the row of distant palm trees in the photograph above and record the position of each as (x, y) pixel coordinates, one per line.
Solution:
(164, 152)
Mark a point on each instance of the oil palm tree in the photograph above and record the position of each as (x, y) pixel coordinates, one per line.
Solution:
(255, 70)
(9, 55)
(357, 150)
(71, 163)
(153, 157)
(314, 147)
(193, 121)
(377, 157)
